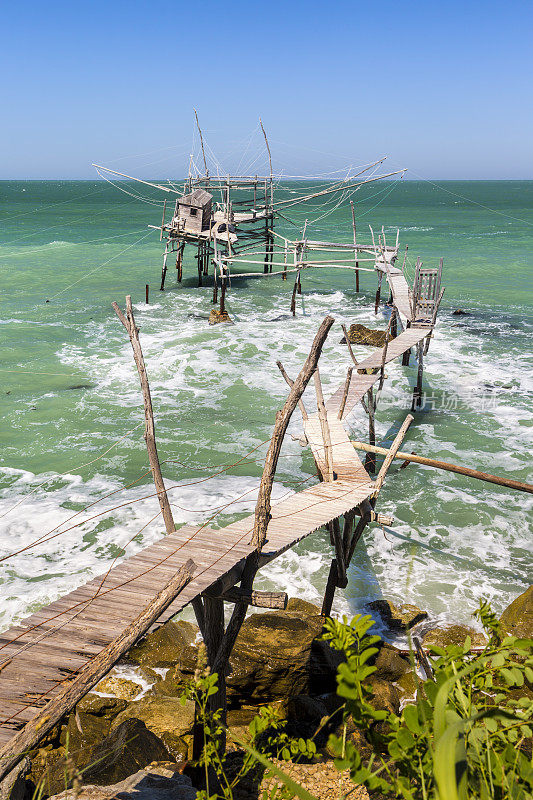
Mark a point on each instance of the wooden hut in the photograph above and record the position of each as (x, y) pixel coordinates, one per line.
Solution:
(194, 211)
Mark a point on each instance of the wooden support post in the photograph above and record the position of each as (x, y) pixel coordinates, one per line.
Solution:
(347, 531)
(267, 243)
(398, 439)
(346, 390)
(349, 345)
(179, 261)
(360, 527)
(163, 220)
(214, 632)
(222, 307)
(355, 249)
(293, 299)
(417, 392)
(164, 270)
(147, 292)
(284, 273)
(128, 321)
(378, 292)
(370, 461)
(335, 528)
(199, 260)
(326, 436)
(394, 323)
(199, 613)
(89, 675)
(329, 594)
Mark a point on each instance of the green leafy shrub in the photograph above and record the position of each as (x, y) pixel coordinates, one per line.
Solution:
(267, 739)
(467, 735)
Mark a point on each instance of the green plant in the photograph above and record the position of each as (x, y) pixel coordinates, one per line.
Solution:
(465, 736)
(267, 737)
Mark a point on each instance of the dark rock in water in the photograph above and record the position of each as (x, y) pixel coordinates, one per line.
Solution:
(517, 619)
(398, 618)
(360, 334)
(460, 313)
(171, 645)
(281, 318)
(157, 782)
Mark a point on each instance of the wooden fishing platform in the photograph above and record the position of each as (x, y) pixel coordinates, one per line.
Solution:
(49, 648)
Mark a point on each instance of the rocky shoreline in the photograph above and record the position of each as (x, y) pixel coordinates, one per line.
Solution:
(133, 734)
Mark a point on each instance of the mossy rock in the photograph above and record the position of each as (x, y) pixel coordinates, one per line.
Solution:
(128, 748)
(107, 707)
(360, 334)
(453, 635)
(165, 717)
(172, 685)
(386, 696)
(517, 619)
(122, 688)
(171, 645)
(407, 686)
(390, 664)
(275, 656)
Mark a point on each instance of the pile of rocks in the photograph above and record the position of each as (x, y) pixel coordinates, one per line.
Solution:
(141, 729)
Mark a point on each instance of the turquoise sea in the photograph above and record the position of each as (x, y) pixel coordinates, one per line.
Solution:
(71, 435)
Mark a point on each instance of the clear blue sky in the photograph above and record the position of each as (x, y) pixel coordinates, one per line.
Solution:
(443, 88)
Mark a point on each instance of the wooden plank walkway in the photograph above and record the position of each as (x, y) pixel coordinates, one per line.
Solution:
(59, 639)
(401, 293)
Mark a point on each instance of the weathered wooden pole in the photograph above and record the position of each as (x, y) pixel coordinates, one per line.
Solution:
(355, 248)
(147, 292)
(417, 392)
(164, 270)
(378, 292)
(447, 467)
(370, 461)
(28, 738)
(326, 435)
(128, 321)
(398, 439)
(346, 390)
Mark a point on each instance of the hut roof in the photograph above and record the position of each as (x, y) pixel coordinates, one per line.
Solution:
(197, 198)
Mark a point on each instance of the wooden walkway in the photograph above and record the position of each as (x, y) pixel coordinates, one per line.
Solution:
(37, 656)
(59, 639)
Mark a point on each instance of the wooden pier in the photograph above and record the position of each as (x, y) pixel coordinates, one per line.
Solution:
(45, 653)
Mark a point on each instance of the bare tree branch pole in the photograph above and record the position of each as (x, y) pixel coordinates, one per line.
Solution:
(128, 321)
(91, 673)
(262, 509)
(444, 465)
